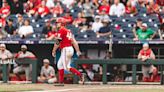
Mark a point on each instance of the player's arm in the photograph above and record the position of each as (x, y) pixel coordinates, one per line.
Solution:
(56, 46)
(76, 46)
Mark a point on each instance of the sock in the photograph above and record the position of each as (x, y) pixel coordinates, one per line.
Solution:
(61, 75)
(75, 71)
(146, 79)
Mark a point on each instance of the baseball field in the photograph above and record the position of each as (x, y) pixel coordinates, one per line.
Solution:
(79, 88)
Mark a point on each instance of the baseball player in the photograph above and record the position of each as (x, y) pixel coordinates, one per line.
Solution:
(47, 73)
(66, 42)
(24, 53)
(4, 55)
(145, 54)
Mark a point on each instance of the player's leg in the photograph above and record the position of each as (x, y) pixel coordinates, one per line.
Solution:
(17, 70)
(28, 72)
(52, 80)
(60, 69)
(69, 51)
(41, 79)
(145, 72)
(154, 72)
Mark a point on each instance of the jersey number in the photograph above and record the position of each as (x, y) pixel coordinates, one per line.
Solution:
(69, 35)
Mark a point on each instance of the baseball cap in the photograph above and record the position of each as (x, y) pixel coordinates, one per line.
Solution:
(97, 17)
(23, 47)
(46, 61)
(144, 25)
(3, 45)
(145, 45)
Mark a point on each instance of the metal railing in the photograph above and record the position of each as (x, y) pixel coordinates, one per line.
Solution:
(5, 72)
(133, 62)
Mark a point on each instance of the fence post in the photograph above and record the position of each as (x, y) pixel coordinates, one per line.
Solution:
(5, 73)
(75, 78)
(104, 77)
(162, 76)
(134, 74)
(34, 71)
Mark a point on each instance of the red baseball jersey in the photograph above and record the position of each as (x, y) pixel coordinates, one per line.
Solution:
(66, 37)
(5, 10)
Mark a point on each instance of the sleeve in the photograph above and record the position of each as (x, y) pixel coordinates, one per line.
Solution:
(123, 9)
(31, 30)
(139, 55)
(111, 10)
(20, 30)
(42, 71)
(9, 54)
(137, 32)
(152, 55)
(100, 30)
(52, 72)
(31, 54)
(151, 32)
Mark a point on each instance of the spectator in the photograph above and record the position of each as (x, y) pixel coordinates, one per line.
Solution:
(105, 7)
(152, 7)
(5, 10)
(30, 4)
(97, 24)
(124, 2)
(39, 11)
(96, 3)
(2, 33)
(17, 7)
(47, 74)
(24, 67)
(88, 8)
(130, 9)
(133, 2)
(145, 54)
(52, 34)
(57, 10)
(105, 30)
(47, 28)
(161, 31)
(79, 19)
(50, 3)
(4, 55)
(26, 29)
(144, 33)
(1, 3)
(137, 26)
(20, 21)
(68, 3)
(104, 16)
(68, 18)
(2, 22)
(117, 8)
(10, 28)
(160, 2)
(108, 55)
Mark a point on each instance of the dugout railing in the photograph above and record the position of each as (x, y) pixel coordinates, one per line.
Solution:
(133, 62)
(28, 61)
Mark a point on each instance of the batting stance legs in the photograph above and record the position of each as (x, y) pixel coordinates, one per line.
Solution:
(64, 63)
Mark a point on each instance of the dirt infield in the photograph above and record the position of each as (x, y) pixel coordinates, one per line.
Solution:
(79, 88)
